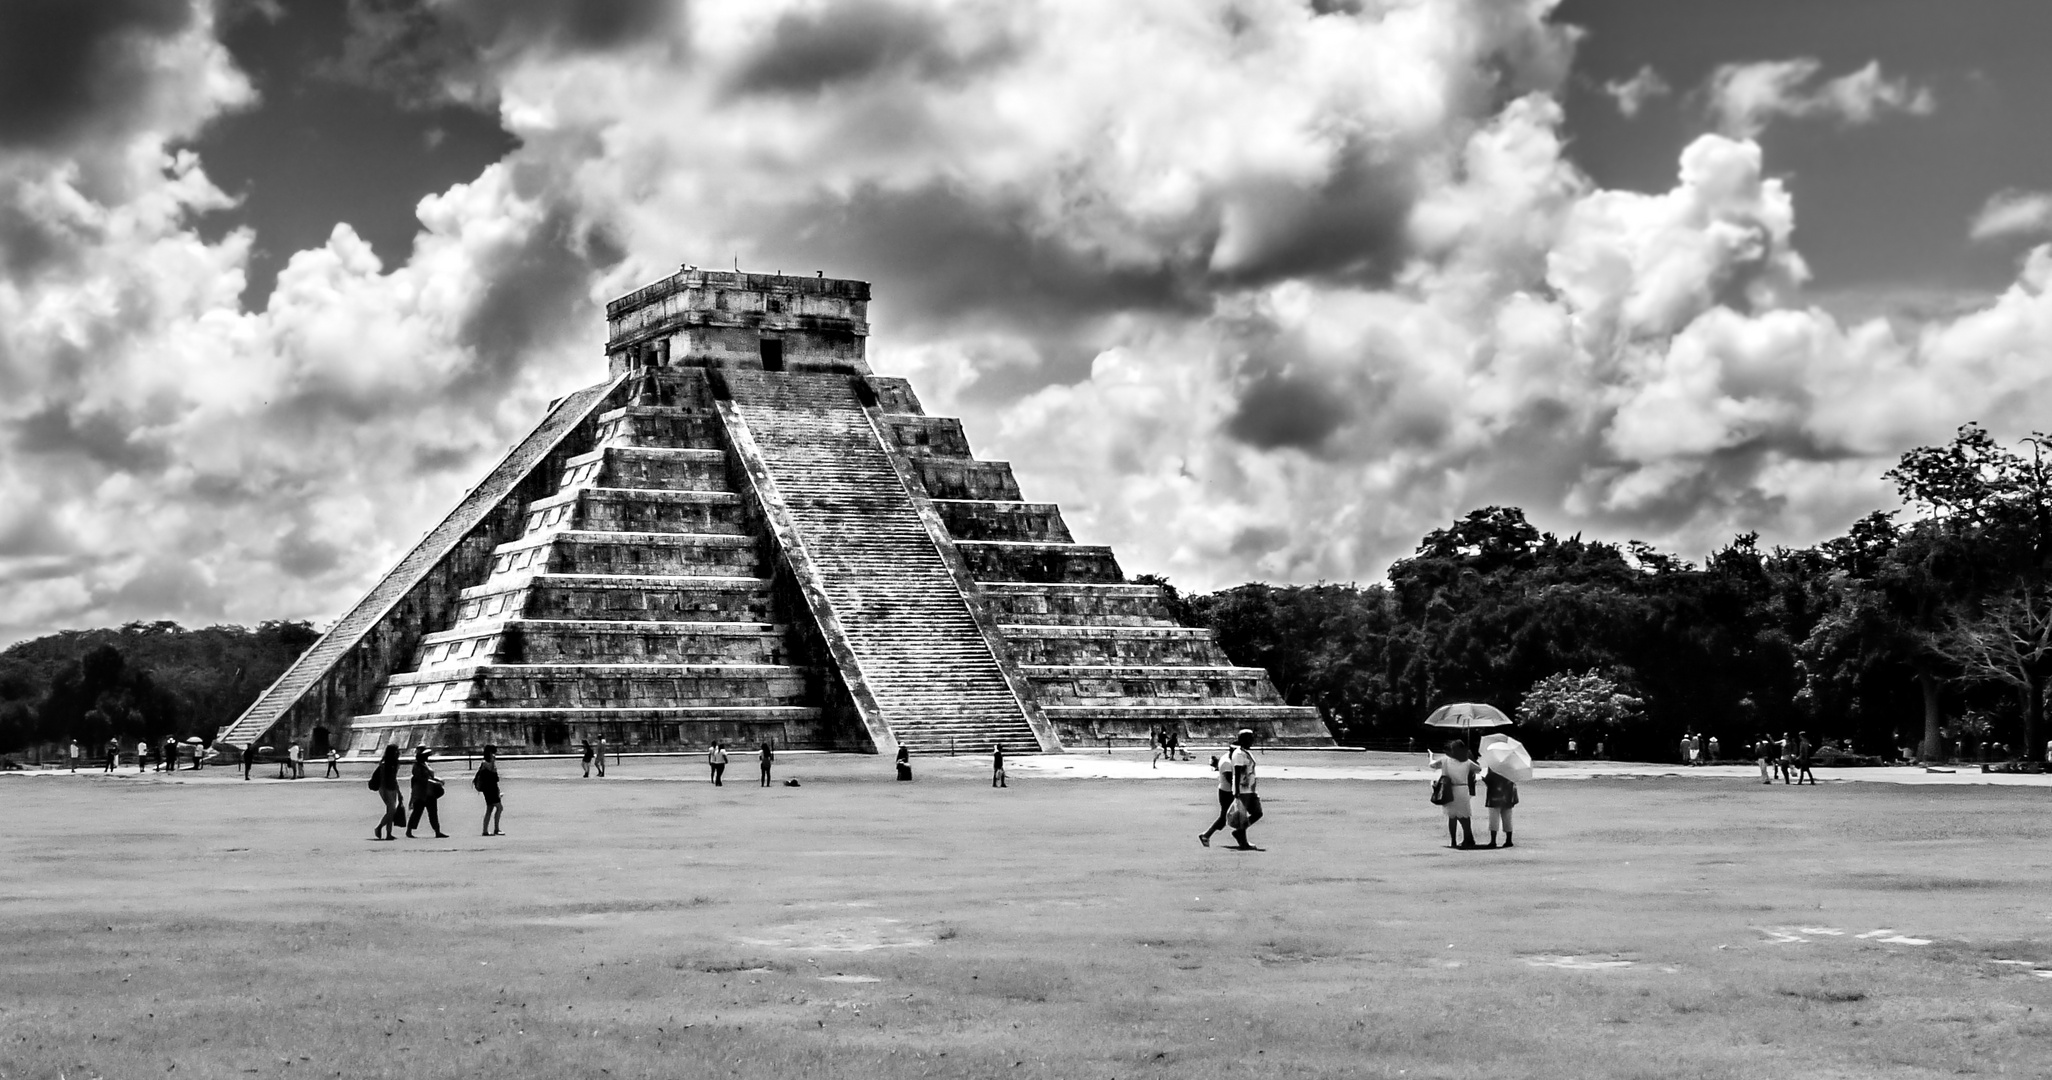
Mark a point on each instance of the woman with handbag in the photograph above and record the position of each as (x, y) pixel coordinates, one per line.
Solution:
(1451, 791)
(427, 790)
(385, 781)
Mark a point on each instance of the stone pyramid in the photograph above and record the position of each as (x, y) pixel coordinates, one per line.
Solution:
(745, 536)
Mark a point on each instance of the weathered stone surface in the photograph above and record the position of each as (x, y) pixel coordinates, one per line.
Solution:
(747, 537)
(970, 519)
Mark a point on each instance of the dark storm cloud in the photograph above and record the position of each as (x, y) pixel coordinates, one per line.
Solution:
(810, 51)
(71, 67)
(531, 294)
(958, 260)
(1281, 410)
(567, 25)
(30, 245)
(56, 430)
(1352, 228)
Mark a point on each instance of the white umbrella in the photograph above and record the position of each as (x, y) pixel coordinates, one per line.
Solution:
(1506, 756)
(1466, 715)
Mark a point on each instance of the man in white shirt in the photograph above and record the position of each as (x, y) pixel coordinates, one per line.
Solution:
(1236, 781)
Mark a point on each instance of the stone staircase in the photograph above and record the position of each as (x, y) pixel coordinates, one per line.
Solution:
(918, 647)
(1106, 663)
(348, 633)
(634, 609)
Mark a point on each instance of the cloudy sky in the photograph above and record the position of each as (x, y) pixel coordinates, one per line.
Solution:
(1257, 289)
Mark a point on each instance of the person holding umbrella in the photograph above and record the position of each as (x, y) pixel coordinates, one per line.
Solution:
(1507, 763)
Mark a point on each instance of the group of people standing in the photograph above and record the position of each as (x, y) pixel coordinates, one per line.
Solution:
(1698, 749)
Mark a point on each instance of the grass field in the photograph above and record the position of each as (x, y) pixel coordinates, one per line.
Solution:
(652, 925)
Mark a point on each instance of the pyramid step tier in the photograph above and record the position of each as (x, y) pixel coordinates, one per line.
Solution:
(585, 551)
(989, 519)
(1002, 560)
(657, 426)
(670, 728)
(618, 598)
(638, 510)
(1045, 604)
(665, 468)
(566, 641)
(1197, 725)
(1112, 685)
(1137, 645)
(597, 686)
(967, 478)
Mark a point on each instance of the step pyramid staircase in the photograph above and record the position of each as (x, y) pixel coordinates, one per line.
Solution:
(746, 537)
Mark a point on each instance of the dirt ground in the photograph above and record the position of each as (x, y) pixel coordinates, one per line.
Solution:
(1070, 926)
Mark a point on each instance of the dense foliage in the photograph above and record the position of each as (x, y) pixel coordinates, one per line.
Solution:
(1935, 635)
(140, 681)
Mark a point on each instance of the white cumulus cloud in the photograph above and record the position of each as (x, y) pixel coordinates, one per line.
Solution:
(1254, 291)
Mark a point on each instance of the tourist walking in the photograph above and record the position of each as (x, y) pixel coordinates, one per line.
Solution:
(1160, 740)
(1783, 747)
(997, 766)
(74, 755)
(602, 757)
(170, 761)
(1222, 765)
(1500, 794)
(385, 781)
(427, 794)
(587, 759)
(1241, 760)
(1763, 749)
(334, 764)
(1688, 744)
(113, 754)
(716, 760)
(142, 755)
(248, 758)
(1456, 786)
(486, 781)
(1806, 752)
(764, 758)
(904, 762)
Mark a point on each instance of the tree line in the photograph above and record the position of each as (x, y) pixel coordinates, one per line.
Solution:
(139, 682)
(1933, 632)
(1927, 627)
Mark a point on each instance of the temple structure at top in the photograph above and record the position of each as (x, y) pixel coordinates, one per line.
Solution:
(744, 535)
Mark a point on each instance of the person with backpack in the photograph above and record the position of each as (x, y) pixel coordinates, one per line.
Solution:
(385, 781)
(486, 782)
